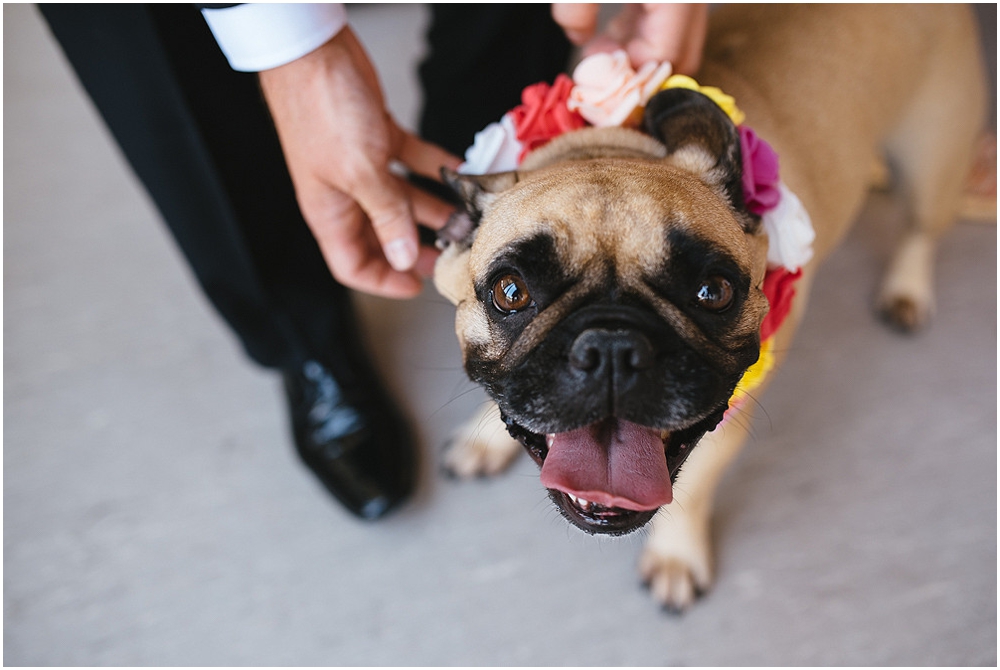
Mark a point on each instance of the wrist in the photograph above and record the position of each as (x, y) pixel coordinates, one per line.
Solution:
(303, 78)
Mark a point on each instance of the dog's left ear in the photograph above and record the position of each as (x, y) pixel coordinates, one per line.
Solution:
(700, 138)
(477, 193)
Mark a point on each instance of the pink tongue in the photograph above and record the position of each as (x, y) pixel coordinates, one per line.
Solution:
(612, 463)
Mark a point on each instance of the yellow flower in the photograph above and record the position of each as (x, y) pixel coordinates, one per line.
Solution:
(726, 102)
(755, 374)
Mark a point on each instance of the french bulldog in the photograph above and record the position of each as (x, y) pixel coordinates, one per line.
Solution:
(609, 295)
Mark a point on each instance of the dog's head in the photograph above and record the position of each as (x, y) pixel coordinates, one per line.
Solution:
(608, 298)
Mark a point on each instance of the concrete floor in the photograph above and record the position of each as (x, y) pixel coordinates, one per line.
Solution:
(154, 512)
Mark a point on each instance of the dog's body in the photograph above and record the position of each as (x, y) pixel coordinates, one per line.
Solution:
(608, 295)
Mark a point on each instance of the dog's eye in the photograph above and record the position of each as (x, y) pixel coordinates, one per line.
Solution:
(715, 294)
(510, 294)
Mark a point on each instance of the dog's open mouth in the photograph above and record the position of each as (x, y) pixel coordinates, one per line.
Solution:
(611, 476)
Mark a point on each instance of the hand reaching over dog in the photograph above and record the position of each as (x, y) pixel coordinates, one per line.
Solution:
(340, 143)
(647, 32)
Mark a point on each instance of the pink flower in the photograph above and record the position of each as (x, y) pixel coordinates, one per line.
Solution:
(608, 91)
(543, 113)
(760, 172)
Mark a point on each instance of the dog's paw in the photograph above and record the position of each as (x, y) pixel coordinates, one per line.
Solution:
(906, 300)
(480, 458)
(673, 581)
(481, 447)
(676, 562)
(905, 313)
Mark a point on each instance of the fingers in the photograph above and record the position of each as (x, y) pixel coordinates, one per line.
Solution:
(385, 202)
(424, 266)
(392, 206)
(353, 249)
(422, 157)
(354, 255)
(670, 32)
(656, 32)
(368, 232)
(427, 209)
(578, 20)
(690, 62)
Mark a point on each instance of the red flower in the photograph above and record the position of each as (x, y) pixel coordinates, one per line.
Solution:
(543, 114)
(779, 288)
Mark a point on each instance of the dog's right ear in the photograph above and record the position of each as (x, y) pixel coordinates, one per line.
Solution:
(477, 192)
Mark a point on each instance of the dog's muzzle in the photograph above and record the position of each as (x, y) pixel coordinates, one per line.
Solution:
(609, 404)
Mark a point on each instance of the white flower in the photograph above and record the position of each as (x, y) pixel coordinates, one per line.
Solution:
(789, 231)
(495, 149)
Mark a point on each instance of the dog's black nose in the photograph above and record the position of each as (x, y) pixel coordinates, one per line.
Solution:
(601, 352)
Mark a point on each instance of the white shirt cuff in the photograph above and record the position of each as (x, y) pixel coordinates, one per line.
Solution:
(257, 37)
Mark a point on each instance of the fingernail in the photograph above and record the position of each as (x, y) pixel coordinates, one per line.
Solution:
(401, 254)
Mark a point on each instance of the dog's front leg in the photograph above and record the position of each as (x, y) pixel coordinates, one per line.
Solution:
(481, 446)
(677, 560)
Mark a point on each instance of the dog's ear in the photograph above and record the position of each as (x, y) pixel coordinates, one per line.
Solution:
(477, 193)
(700, 138)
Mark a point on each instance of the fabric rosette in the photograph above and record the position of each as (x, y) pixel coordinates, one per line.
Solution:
(790, 232)
(608, 92)
(760, 172)
(495, 149)
(544, 114)
(726, 102)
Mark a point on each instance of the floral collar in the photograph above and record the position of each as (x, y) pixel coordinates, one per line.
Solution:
(605, 91)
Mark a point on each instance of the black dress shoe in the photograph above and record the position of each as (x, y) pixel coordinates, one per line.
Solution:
(352, 436)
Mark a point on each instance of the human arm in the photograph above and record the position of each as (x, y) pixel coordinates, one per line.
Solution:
(341, 145)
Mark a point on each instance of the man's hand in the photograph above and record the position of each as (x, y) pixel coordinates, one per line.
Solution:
(339, 142)
(647, 32)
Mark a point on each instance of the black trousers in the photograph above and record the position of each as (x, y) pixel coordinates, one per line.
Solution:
(199, 137)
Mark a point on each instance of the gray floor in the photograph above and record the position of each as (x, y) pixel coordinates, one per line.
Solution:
(154, 512)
